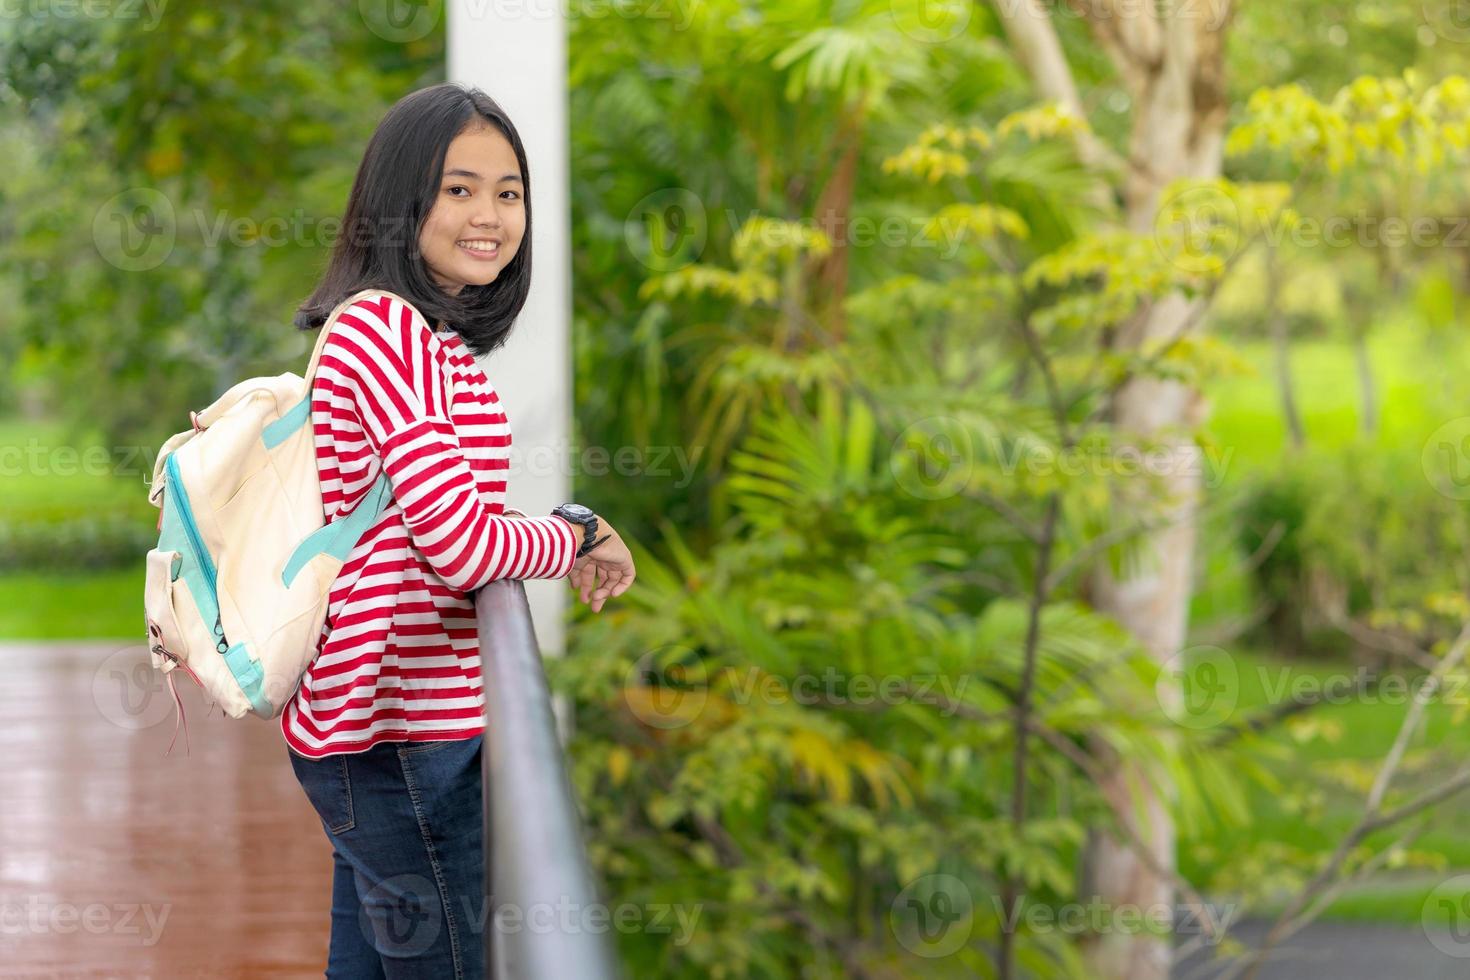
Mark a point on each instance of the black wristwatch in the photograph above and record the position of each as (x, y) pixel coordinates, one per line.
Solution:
(578, 514)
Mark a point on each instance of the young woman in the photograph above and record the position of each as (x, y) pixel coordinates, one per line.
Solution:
(385, 730)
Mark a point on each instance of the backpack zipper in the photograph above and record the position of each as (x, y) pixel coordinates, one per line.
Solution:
(196, 541)
(186, 517)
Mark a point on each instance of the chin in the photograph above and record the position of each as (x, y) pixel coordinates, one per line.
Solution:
(477, 277)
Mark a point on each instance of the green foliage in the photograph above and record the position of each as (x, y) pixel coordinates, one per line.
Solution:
(881, 425)
(1371, 122)
(197, 198)
(733, 748)
(870, 481)
(37, 605)
(84, 543)
(1358, 536)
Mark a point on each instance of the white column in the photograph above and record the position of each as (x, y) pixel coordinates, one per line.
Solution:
(515, 51)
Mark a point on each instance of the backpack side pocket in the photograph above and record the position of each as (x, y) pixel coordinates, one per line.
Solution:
(166, 647)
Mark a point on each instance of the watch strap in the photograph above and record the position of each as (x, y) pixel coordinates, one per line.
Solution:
(590, 545)
(589, 529)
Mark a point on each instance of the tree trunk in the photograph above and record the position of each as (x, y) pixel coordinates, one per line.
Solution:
(1281, 347)
(1152, 603)
(833, 210)
(1367, 390)
(1171, 59)
(1178, 131)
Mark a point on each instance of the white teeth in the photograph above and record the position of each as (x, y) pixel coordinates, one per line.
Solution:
(479, 246)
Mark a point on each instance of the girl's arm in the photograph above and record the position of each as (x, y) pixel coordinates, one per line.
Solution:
(384, 358)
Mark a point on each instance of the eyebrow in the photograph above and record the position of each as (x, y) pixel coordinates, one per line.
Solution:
(474, 176)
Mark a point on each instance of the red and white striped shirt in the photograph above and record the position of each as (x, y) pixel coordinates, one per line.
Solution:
(401, 660)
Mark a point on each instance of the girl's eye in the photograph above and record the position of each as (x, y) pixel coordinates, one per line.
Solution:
(513, 194)
(459, 187)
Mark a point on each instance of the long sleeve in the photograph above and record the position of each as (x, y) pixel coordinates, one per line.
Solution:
(383, 357)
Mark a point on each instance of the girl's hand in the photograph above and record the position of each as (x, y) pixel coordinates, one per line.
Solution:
(605, 571)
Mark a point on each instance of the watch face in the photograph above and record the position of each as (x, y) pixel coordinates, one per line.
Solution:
(575, 512)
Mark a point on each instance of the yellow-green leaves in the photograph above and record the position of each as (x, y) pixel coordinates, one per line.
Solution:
(946, 150)
(1050, 120)
(1202, 226)
(748, 287)
(762, 239)
(1372, 122)
(761, 249)
(975, 221)
(939, 153)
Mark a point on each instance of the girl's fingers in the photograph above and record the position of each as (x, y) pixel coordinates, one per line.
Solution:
(608, 578)
(616, 584)
(597, 581)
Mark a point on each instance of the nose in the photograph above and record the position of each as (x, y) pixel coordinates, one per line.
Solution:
(487, 215)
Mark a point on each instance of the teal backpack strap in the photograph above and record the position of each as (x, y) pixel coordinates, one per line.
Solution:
(339, 537)
(284, 427)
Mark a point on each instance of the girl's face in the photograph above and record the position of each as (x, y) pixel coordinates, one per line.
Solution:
(475, 226)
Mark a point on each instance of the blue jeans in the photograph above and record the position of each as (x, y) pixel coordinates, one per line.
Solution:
(405, 823)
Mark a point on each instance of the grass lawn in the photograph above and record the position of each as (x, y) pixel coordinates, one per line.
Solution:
(1363, 728)
(73, 606)
(1416, 380)
(1419, 388)
(48, 475)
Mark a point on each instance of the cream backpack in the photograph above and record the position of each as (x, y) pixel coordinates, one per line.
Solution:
(236, 591)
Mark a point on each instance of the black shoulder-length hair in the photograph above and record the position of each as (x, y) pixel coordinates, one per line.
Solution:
(396, 186)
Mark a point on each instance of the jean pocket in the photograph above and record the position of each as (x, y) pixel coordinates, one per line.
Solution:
(329, 789)
(417, 748)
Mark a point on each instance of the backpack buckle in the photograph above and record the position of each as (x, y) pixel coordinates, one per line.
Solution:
(157, 645)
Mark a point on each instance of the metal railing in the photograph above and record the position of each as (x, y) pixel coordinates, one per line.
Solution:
(536, 865)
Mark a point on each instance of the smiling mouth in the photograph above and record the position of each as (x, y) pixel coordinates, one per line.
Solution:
(480, 249)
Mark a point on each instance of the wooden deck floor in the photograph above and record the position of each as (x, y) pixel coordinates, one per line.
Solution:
(118, 862)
